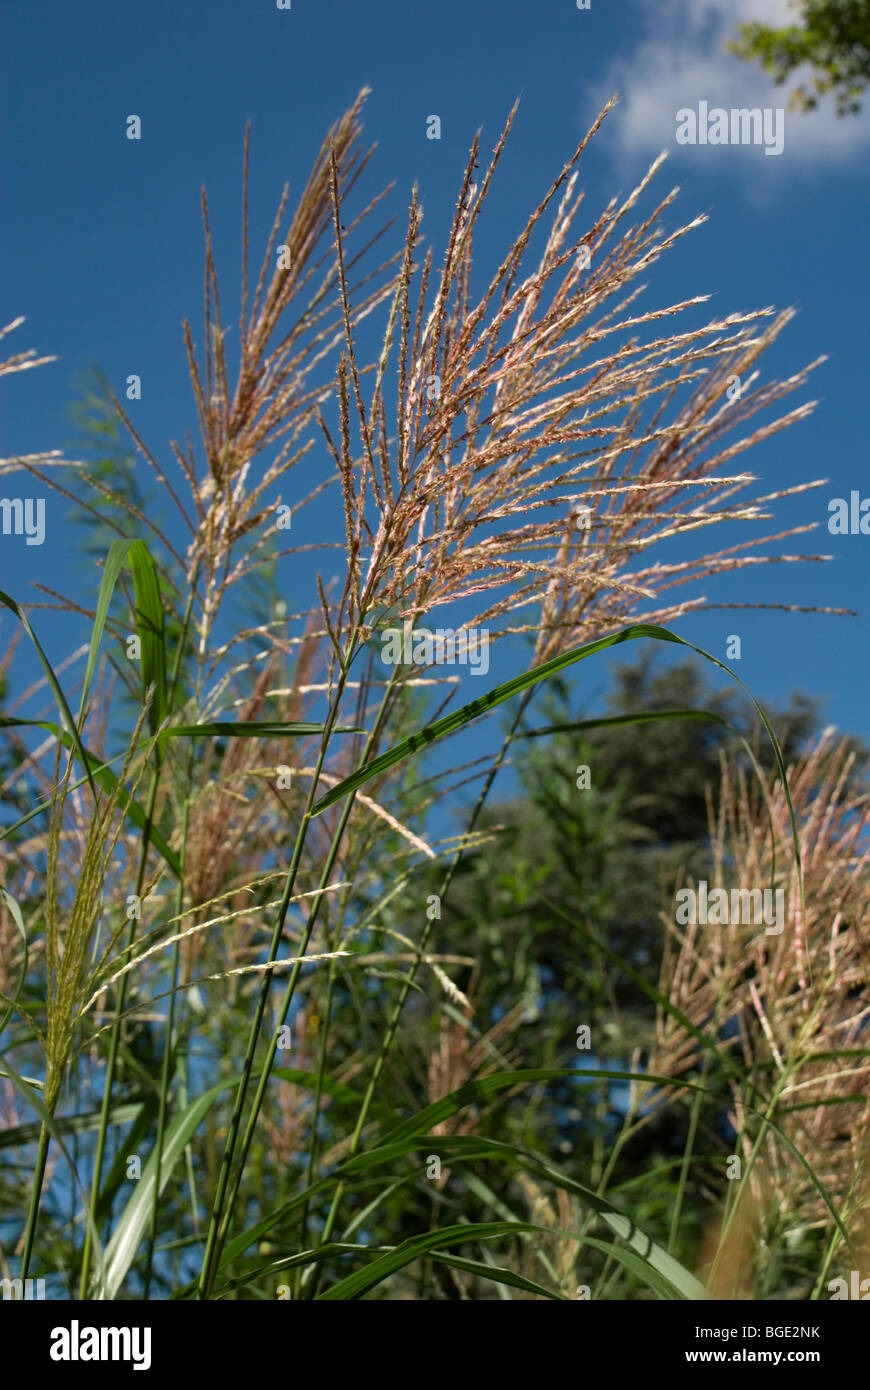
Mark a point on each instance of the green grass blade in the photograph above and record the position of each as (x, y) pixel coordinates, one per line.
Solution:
(150, 623)
(649, 1251)
(305, 1257)
(632, 1262)
(15, 913)
(367, 1212)
(409, 1137)
(431, 733)
(722, 1057)
(253, 729)
(134, 1140)
(53, 682)
(70, 1124)
(363, 1280)
(112, 568)
(644, 717)
(36, 1104)
(133, 1224)
(330, 1087)
(489, 1085)
(483, 1088)
(498, 1275)
(102, 773)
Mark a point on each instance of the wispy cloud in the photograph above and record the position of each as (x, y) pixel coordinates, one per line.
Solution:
(680, 59)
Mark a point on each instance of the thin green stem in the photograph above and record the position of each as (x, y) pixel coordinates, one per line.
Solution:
(169, 1043)
(740, 1187)
(684, 1167)
(222, 1208)
(265, 1074)
(371, 742)
(115, 1035)
(114, 1045)
(408, 982)
(35, 1195)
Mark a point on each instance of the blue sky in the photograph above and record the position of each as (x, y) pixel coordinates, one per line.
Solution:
(102, 240)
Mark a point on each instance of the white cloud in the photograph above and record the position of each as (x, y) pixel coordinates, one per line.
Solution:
(680, 59)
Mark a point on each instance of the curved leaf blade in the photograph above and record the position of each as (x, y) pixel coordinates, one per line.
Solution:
(114, 560)
(363, 1280)
(264, 728)
(101, 772)
(459, 718)
(38, 1105)
(150, 623)
(15, 913)
(53, 682)
(498, 1275)
(127, 1237)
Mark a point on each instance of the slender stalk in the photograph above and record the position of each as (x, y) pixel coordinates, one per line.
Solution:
(690, 1138)
(115, 1035)
(114, 1045)
(221, 1210)
(168, 1045)
(328, 867)
(740, 1187)
(684, 1167)
(35, 1195)
(183, 1101)
(333, 965)
(408, 982)
(170, 1023)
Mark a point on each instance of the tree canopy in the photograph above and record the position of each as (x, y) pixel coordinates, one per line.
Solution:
(832, 39)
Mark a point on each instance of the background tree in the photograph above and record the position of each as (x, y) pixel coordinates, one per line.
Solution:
(832, 37)
(564, 867)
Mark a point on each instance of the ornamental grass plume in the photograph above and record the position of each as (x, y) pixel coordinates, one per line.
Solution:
(526, 465)
(791, 1008)
(516, 450)
(76, 936)
(546, 433)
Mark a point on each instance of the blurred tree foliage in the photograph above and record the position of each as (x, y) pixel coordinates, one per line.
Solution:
(832, 38)
(566, 861)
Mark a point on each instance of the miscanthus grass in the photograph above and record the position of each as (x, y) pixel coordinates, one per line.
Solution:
(797, 1008)
(508, 457)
